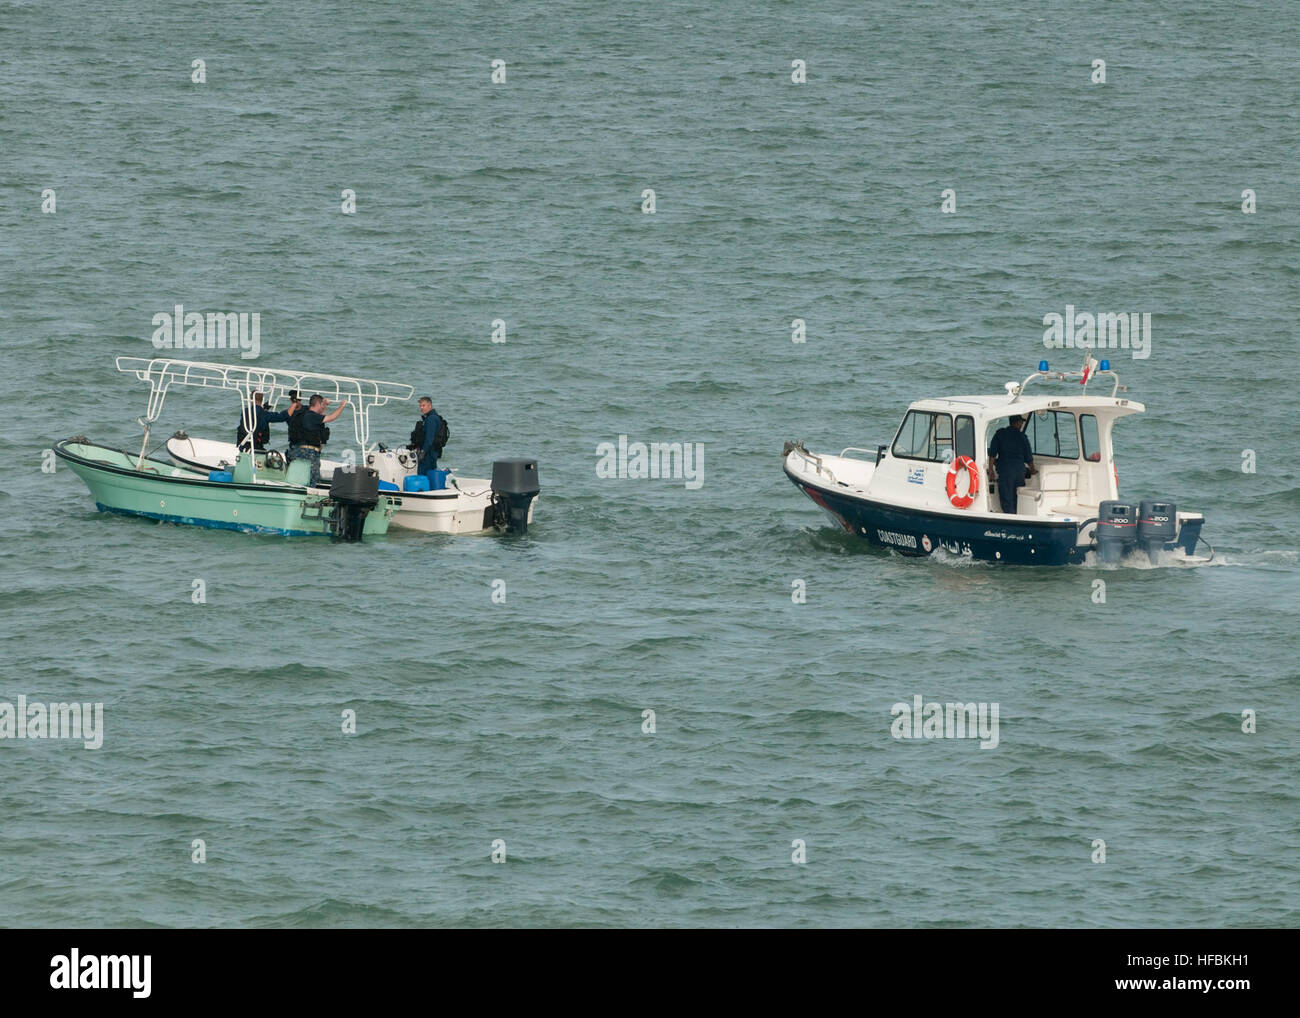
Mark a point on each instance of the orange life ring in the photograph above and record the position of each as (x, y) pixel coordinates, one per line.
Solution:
(973, 479)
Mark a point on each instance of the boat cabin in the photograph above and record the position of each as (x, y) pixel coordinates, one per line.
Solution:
(1070, 437)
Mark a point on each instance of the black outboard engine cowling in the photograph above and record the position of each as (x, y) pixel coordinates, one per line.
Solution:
(1157, 526)
(354, 492)
(1116, 530)
(514, 486)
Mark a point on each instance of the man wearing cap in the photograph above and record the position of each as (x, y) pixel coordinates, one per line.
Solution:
(291, 411)
(309, 434)
(1010, 454)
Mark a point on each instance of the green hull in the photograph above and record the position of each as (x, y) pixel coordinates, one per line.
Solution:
(162, 491)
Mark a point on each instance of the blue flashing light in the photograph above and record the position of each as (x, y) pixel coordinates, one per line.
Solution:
(1042, 366)
(1105, 365)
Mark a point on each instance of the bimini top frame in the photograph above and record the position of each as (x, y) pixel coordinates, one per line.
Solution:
(363, 393)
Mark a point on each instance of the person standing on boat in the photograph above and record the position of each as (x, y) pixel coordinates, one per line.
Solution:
(294, 408)
(308, 433)
(425, 436)
(262, 420)
(1011, 456)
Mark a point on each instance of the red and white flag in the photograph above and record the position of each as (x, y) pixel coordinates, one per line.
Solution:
(1089, 366)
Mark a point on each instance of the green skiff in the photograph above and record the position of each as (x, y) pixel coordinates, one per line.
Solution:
(271, 502)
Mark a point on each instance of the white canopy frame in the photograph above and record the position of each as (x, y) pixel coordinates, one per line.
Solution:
(163, 372)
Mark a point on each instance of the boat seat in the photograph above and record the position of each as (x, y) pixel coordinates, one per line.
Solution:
(1028, 502)
(1052, 488)
(298, 472)
(243, 469)
(1056, 481)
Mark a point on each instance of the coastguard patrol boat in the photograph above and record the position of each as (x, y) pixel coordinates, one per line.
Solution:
(927, 490)
(250, 495)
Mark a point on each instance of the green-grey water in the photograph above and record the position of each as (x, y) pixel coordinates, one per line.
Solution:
(522, 721)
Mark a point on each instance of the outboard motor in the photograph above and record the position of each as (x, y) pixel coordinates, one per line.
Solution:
(514, 486)
(1116, 530)
(1157, 526)
(354, 493)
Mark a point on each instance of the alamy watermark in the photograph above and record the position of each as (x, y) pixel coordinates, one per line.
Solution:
(25, 720)
(1078, 330)
(682, 461)
(933, 720)
(75, 971)
(217, 330)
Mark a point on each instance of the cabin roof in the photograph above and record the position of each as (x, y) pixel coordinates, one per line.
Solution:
(1000, 405)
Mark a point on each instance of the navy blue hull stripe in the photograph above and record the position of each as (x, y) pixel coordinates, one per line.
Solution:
(922, 532)
(212, 524)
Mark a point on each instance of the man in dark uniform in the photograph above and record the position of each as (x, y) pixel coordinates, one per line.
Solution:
(1010, 455)
(294, 408)
(428, 451)
(291, 411)
(262, 420)
(309, 434)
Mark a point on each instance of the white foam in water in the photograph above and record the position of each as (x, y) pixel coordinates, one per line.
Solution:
(947, 558)
(1165, 560)
(1274, 557)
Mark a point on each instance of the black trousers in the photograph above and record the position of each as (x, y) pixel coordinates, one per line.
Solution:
(1010, 477)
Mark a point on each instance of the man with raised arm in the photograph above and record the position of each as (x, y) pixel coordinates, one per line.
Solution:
(262, 419)
(310, 433)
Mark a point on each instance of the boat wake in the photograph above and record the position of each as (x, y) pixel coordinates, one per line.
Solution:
(1282, 558)
(1285, 558)
(946, 558)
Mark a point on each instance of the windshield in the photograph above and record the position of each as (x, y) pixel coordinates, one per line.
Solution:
(924, 436)
(1053, 433)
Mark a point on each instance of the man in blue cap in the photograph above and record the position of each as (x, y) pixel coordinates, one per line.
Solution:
(1011, 456)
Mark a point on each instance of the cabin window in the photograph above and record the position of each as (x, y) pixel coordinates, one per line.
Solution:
(966, 436)
(1091, 437)
(1052, 433)
(924, 436)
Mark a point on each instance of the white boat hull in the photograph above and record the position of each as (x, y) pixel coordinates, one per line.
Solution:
(465, 507)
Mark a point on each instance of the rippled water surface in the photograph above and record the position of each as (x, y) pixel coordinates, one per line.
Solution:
(522, 201)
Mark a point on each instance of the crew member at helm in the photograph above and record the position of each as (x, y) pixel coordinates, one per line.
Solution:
(309, 433)
(1010, 455)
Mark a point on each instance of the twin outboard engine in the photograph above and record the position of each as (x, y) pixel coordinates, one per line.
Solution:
(1122, 528)
(514, 486)
(1157, 526)
(354, 492)
(1116, 531)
